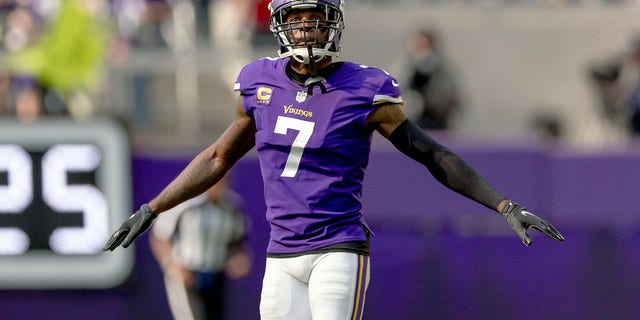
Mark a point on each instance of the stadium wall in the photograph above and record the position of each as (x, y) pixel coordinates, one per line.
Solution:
(435, 255)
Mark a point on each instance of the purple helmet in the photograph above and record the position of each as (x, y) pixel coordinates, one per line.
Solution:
(333, 24)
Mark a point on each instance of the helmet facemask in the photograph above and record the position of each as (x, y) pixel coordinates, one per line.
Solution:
(322, 37)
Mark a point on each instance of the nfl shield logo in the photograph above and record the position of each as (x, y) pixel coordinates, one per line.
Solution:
(301, 96)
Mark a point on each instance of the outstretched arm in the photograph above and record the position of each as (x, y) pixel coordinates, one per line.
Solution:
(444, 165)
(452, 171)
(203, 171)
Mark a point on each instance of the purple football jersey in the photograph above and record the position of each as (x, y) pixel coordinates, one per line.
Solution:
(313, 149)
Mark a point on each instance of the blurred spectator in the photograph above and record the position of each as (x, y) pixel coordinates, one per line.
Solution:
(203, 19)
(231, 20)
(199, 245)
(617, 82)
(139, 26)
(5, 9)
(55, 56)
(153, 15)
(430, 80)
(232, 26)
(21, 93)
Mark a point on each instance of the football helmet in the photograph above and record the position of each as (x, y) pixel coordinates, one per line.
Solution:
(325, 41)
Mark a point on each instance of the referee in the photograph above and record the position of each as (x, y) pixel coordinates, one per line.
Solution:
(199, 244)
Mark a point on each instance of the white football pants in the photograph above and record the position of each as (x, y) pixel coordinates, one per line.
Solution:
(324, 286)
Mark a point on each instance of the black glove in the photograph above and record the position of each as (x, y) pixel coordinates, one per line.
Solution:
(136, 225)
(520, 219)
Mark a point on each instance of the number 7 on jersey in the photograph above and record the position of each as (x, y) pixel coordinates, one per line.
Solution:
(305, 129)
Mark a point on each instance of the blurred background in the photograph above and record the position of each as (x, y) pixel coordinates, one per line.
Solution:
(542, 97)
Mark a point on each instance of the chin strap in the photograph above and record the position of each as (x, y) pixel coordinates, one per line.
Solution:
(314, 79)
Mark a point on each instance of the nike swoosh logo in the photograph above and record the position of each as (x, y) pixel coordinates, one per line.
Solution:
(526, 213)
(395, 83)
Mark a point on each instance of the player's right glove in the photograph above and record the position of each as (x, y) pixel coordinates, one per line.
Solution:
(520, 219)
(133, 227)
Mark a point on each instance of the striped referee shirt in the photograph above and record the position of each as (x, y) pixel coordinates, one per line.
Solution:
(201, 232)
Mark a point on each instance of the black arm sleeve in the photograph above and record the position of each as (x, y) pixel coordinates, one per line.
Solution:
(444, 165)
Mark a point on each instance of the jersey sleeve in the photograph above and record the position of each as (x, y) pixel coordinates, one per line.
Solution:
(380, 88)
(244, 81)
(388, 91)
(375, 85)
(247, 82)
(244, 85)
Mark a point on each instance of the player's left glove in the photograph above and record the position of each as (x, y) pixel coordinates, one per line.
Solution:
(133, 227)
(520, 219)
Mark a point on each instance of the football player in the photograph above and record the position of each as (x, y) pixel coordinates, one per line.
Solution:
(311, 119)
